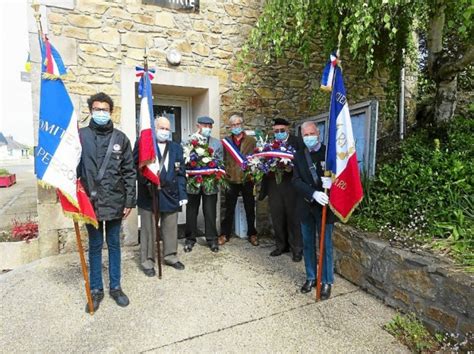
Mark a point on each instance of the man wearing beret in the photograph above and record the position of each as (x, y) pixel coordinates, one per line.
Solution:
(209, 197)
(282, 200)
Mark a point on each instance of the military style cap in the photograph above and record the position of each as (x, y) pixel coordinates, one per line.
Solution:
(280, 121)
(205, 120)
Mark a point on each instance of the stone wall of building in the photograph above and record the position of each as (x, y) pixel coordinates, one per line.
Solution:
(430, 286)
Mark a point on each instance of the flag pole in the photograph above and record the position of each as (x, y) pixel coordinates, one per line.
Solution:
(84, 268)
(322, 233)
(154, 190)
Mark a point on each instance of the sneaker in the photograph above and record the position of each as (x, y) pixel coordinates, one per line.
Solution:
(97, 296)
(120, 298)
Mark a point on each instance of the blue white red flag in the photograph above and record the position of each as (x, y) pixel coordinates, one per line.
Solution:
(148, 162)
(346, 191)
(59, 149)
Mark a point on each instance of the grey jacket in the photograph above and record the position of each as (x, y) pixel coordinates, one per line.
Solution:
(216, 145)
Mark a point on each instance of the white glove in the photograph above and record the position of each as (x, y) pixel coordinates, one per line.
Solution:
(183, 202)
(327, 182)
(320, 197)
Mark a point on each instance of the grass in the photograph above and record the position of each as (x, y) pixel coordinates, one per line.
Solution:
(411, 332)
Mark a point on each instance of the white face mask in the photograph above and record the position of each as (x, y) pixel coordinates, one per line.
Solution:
(206, 132)
(162, 135)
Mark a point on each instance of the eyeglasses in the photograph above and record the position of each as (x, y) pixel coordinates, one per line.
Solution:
(279, 130)
(236, 125)
(97, 109)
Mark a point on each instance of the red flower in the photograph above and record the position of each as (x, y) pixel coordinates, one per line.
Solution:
(276, 145)
(193, 163)
(210, 150)
(255, 150)
(194, 143)
(199, 179)
(212, 164)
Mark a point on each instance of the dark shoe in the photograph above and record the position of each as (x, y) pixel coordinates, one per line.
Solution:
(276, 253)
(188, 247)
(149, 272)
(308, 284)
(325, 291)
(222, 239)
(120, 298)
(214, 247)
(297, 257)
(97, 296)
(253, 240)
(178, 265)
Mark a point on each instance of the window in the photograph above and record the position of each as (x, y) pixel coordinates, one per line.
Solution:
(364, 118)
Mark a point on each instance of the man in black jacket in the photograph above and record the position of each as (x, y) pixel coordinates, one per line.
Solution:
(282, 200)
(107, 172)
(309, 182)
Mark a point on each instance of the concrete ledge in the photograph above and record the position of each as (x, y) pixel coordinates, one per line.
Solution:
(430, 286)
(15, 254)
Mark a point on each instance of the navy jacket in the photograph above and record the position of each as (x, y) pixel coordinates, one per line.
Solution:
(305, 185)
(173, 182)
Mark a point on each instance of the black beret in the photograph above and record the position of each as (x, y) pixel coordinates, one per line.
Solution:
(280, 121)
(205, 120)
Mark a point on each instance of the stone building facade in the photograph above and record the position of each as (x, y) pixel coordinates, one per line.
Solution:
(101, 42)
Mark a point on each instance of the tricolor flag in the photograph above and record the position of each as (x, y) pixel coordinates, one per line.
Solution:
(59, 149)
(346, 191)
(148, 162)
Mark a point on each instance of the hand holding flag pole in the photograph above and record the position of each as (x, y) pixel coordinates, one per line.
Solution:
(55, 104)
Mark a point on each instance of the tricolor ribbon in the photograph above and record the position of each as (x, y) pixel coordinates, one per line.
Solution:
(328, 73)
(139, 72)
(275, 153)
(230, 147)
(204, 171)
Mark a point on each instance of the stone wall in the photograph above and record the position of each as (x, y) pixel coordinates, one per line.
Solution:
(441, 295)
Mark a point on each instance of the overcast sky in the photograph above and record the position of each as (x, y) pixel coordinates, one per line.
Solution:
(15, 96)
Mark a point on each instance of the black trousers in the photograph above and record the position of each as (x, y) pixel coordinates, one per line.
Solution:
(231, 195)
(282, 205)
(209, 205)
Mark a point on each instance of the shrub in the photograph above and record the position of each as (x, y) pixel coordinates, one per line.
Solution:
(4, 172)
(24, 230)
(427, 193)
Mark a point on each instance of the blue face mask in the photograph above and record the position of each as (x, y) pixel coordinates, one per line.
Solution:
(311, 141)
(237, 130)
(162, 135)
(206, 132)
(281, 135)
(101, 117)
